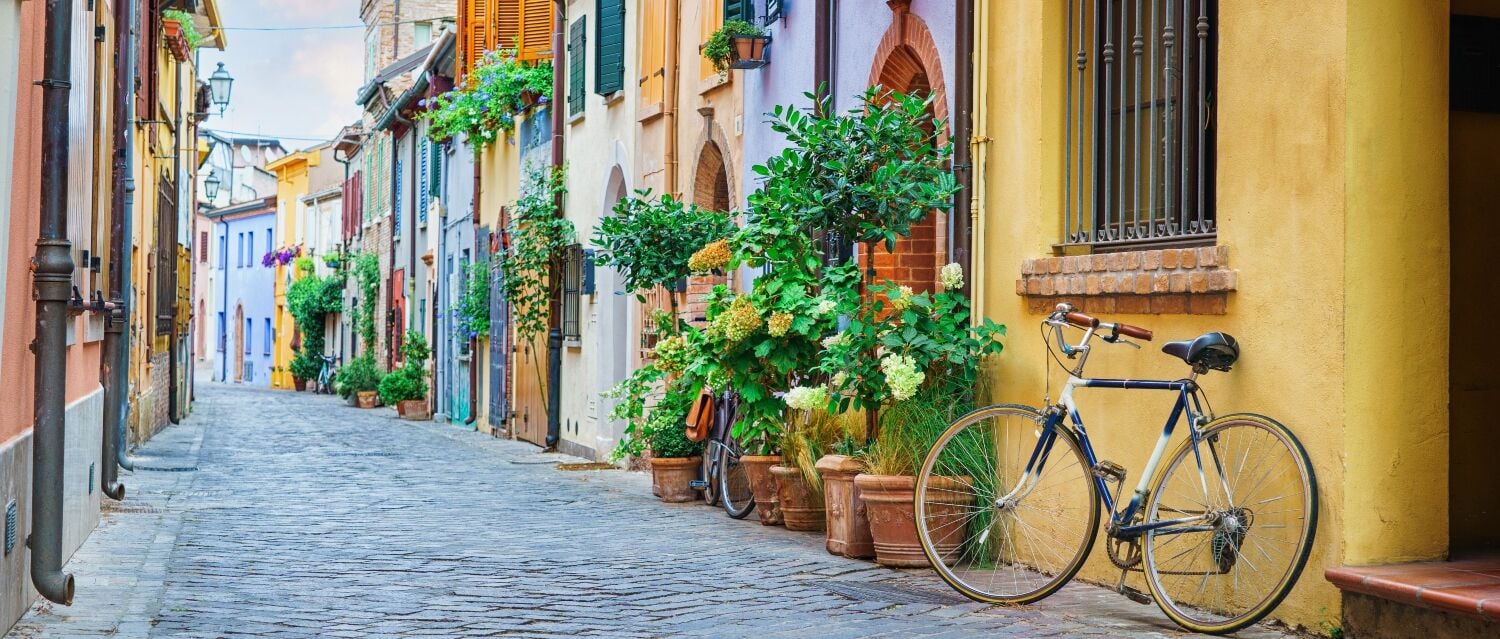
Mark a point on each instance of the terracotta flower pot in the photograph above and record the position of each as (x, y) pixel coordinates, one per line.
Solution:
(176, 40)
(763, 485)
(889, 502)
(848, 526)
(671, 478)
(368, 399)
(413, 410)
(801, 503)
(299, 384)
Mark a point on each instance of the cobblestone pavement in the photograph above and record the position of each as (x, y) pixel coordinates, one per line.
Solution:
(272, 514)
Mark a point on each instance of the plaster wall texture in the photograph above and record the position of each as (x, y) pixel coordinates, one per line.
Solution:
(455, 220)
(783, 82)
(251, 288)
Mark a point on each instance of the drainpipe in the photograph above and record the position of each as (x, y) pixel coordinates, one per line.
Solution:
(52, 276)
(821, 53)
(669, 113)
(961, 240)
(979, 141)
(113, 371)
(554, 271)
(173, 350)
(474, 341)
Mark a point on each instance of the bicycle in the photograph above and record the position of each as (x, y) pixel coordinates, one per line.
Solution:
(722, 477)
(1008, 500)
(325, 376)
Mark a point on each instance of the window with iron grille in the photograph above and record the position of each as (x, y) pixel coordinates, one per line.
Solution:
(577, 41)
(166, 256)
(572, 292)
(1140, 125)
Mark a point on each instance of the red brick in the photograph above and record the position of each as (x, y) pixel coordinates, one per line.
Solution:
(1116, 261)
(1207, 304)
(1054, 265)
(1189, 258)
(1099, 262)
(1133, 260)
(1177, 282)
(1034, 286)
(1169, 258)
(1208, 256)
(1076, 285)
(1142, 284)
(1151, 260)
(1070, 264)
(1169, 304)
(1159, 283)
(1198, 282)
(1222, 280)
(1038, 305)
(1020, 287)
(1133, 304)
(1107, 283)
(1046, 286)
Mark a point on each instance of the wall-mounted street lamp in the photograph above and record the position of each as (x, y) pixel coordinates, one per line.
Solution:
(211, 186)
(219, 85)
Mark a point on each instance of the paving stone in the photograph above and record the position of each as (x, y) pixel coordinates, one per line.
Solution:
(307, 518)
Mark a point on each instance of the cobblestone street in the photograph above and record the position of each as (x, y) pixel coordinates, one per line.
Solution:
(290, 515)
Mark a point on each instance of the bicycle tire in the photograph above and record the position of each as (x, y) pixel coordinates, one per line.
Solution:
(979, 549)
(734, 484)
(1246, 525)
(708, 472)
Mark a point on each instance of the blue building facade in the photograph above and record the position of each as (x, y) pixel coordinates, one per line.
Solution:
(242, 303)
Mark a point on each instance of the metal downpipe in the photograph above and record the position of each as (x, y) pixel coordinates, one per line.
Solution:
(127, 269)
(554, 274)
(112, 370)
(52, 276)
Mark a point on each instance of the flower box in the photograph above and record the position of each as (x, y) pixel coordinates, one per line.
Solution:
(749, 51)
(176, 40)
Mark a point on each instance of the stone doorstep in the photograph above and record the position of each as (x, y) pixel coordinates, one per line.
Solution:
(1468, 586)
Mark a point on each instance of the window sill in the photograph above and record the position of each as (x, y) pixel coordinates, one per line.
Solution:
(577, 117)
(649, 112)
(1192, 281)
(613, 98)
(574, 344)
(710, 83)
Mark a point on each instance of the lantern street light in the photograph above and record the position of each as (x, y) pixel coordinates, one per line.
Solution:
(211, 186)
(218, 85)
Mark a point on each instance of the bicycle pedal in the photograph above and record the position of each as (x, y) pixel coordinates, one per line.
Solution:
(1109, 470)
(1135, 595)
(698, 484)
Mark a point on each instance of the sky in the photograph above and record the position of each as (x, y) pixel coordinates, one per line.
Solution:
(289, 84)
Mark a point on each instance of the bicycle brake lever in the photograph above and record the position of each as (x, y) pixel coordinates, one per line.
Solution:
(1128, 343)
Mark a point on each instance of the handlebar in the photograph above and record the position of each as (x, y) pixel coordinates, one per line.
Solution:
(1115, 329)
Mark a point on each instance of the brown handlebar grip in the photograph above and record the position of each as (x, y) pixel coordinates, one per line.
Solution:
(1080, 320)
(1134, 331)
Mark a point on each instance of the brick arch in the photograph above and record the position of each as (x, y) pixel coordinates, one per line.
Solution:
(711, 179)
(907, 61)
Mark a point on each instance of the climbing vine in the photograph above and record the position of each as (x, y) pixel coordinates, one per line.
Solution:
(473, 309)
(537, 238)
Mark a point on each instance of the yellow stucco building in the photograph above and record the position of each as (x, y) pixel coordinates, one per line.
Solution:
(292, 184)
(1328, 208)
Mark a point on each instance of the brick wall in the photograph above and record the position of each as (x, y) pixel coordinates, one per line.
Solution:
(697, 297)
(1190, 280)
(917, 257)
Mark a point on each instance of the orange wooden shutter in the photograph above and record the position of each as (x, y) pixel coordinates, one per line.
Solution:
(536, 29)
(652, 52)
(507, 24)
(474, 31)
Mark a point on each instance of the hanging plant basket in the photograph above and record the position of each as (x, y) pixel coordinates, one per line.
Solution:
(749, 51)
(176, 40)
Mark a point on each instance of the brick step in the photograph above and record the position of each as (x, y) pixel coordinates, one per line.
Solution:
(1459, 598)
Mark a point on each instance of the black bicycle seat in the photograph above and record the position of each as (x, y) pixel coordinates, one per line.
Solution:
(1217, 351)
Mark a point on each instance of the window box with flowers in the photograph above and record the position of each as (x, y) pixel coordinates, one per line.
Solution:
(737, 45)
(180, 34)
(488, 100)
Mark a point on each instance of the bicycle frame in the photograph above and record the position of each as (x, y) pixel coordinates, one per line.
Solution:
(1118, 526)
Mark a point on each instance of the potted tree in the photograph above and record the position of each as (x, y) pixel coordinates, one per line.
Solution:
(406, 387)
(304, 367)
(358, 380)
(737, 45)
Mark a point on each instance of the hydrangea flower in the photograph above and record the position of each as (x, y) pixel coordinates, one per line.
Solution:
(840, 378)
(739, 321)
(901, 375)
(903, 300)
(952, 276)
(779, 324)
(713, 257)
(825, 307)
(671, 354)
(806, 398)
(832, 341)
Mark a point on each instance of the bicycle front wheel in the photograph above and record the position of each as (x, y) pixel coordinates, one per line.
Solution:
(734, 482)
(707, 473)
(1003, 517)
(1246, 505)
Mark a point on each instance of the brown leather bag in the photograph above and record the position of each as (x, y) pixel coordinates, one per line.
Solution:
(700, 417)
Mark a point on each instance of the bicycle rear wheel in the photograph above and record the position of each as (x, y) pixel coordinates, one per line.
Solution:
(708, 471)
(734, 481)
(1250, 497)
(994, 532)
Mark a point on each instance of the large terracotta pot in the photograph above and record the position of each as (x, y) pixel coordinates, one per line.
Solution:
(368, 399)
(889, 502)
(672, 477)
(848, 526)
(763, 485)
(413, 410)
(801, 503)
(299, 384)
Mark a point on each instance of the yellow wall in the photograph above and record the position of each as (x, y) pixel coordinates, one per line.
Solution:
(499, 186)
(291, 185)
(1331, 189)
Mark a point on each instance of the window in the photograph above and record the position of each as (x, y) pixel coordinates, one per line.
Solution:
(609, 46)
(435, 171)
(422, 34)
(250, 244)
(396, 199)
(1140, 125)
(239, 256)
(423, 189)
(270, 241)
(166, 256)
(249, 334)
(773, 10)
(739, 10)
(224, 252)
(269, 335)
(572, 289)
(223, 335)
(203, 247)
(652, 53)
(577, 41)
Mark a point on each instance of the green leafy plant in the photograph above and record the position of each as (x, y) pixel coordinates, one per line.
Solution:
(472, 311)
(367, 277)
(415, 351)
(812, 433)
(189, 30)
(310, 299)
(487, 101)
(720, 46)
(305, 365)
(668, 432)
(359, 375)
(538, 237)
(403, 384)
(909, 428)
(650, 240)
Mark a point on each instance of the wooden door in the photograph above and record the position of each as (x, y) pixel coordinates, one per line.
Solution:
(239, 343)
(530, 416)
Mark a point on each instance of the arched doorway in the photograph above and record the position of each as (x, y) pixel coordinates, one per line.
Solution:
(907, 62)
(710, 191)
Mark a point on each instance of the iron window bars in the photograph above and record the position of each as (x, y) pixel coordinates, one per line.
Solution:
(1140, 126)
(572, 285)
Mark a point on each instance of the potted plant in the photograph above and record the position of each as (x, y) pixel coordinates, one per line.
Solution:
(305, 366)
(811, 432)
(737, 45)
(181, 35)
(675, 459)
(406, 387)
(848, 525)
(359, 379)
(485, 103)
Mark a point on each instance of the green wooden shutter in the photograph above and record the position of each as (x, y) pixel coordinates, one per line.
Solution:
(773, 10)
(739, 10)
(577, 41)
(609, 47)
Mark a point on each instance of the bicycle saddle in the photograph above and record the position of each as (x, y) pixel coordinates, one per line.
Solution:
(1216, 350)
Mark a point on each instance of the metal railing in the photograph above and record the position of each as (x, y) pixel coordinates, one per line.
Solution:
(1139, 160)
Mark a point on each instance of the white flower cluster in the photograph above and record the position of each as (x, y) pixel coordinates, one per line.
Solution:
(902, 376)
(832, 341)
(902, 301)
(952, 276)
(825, 308)
(806, 398)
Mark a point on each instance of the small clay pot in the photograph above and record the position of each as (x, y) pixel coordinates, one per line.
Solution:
(848, 526)
(889, 502)
(801, 503)
(763, 485)
(368, 399)
(672, 477)
(299, 384)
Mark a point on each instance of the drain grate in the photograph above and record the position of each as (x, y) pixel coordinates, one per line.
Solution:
(167, 469)
(891, 593)
(10, 526)
(115, 507)
(586, 466)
